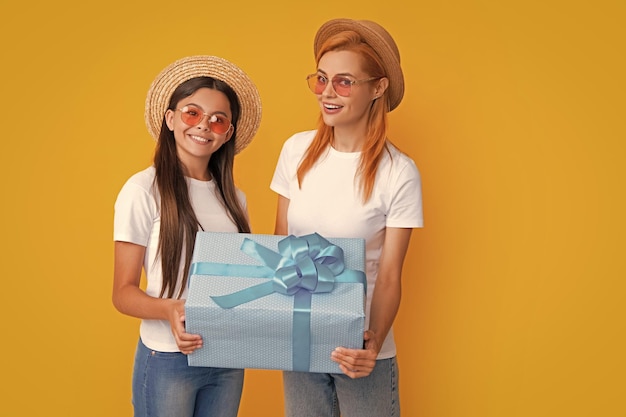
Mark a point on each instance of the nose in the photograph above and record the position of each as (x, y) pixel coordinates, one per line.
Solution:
(329, 90)
(204, 123)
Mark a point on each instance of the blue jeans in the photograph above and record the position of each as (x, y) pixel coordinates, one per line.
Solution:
(326, 395)
(165, 386)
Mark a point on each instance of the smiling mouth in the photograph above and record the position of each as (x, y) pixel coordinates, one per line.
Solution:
(332, 106)
(199, 139)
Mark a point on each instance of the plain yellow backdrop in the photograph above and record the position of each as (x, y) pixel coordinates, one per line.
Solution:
(513, 293)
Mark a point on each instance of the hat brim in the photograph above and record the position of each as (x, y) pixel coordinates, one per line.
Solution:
(380, 40)
(184, 69)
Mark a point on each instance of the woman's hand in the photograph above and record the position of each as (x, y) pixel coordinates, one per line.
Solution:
(186, 342)
(358, 363)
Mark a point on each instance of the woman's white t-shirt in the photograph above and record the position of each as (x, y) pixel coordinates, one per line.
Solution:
(330, 202)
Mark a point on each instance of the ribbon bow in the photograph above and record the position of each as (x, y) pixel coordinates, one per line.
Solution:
(308, 263)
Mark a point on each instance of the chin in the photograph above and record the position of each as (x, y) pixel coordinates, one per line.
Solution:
(329, 120)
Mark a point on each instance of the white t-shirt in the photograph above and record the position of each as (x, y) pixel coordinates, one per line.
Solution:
(330, 202)
(137, 220)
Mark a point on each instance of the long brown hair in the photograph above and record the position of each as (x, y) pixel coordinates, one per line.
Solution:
(179, 223)
(376, 137)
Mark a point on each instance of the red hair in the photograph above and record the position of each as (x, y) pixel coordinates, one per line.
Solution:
(376, 136)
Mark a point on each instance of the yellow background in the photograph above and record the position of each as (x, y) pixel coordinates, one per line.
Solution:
(514, 112)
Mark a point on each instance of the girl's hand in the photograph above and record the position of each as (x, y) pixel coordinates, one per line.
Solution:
(186, 342)
(358, 363)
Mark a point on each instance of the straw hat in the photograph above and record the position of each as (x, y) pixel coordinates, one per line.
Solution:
(380, 40)
(190, 67)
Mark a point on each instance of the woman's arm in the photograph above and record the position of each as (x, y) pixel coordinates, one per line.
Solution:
(386, 297)
(129, 299)
(358, 363)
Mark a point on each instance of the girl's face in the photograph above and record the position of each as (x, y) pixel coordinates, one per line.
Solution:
(351, 111)
(197, 143)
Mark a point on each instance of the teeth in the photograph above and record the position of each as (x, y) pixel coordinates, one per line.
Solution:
(198, 138)
(331, 106)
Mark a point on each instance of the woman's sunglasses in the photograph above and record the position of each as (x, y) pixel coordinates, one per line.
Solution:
(341, 84)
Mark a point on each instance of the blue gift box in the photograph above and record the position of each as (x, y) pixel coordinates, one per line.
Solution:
(275, 302)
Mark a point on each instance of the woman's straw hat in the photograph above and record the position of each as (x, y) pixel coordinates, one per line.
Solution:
(381, 42)
(190, 67)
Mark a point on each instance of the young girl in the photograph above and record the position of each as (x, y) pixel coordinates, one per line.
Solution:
(201, 110)
(346, 179)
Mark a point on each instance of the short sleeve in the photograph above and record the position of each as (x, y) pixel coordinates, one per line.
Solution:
(135, 214)
(280, 180)
(405, 209)
(285, 174)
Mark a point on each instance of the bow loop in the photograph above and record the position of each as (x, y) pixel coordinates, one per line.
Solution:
(286, 280)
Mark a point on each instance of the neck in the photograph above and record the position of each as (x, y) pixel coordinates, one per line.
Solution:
(348, 140)
(198, 170)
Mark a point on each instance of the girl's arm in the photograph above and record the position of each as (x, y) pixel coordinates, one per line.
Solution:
(129, 299)
(358, 363)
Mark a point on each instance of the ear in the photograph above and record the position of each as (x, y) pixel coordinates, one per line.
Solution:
(230, 132)
(169, 119)
(381, 87)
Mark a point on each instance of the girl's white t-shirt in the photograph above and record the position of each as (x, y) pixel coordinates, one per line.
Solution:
(137, 220)
(330, 203)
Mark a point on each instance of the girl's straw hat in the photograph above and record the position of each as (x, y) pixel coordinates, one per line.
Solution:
(381, 42)
(190, 67)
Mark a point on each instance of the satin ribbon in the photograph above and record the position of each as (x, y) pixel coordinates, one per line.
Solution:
(304, 266)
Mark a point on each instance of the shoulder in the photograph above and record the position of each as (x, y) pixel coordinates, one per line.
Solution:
(142, 179)
(397, 161)
(139, 186)
(299, 141)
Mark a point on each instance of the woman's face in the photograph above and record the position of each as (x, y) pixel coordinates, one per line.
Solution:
(199, 142)
(345, 112)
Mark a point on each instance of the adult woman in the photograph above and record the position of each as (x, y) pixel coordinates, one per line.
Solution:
(202, 110)
(346, 179)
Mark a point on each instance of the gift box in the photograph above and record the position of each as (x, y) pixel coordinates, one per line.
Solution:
(275, 302)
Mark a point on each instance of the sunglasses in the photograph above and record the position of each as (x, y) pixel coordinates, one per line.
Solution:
(193, 116)
(341, 84)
